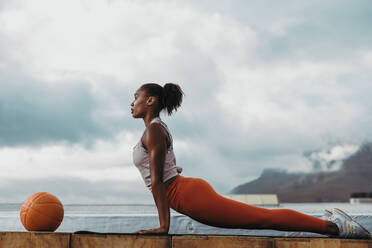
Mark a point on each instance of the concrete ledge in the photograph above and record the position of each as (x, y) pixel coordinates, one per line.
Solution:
(34, 239)
(221, 241)
(265, 242)
(70, 240)
(127, 240)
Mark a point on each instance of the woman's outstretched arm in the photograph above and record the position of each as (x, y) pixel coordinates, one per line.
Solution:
(155, 142)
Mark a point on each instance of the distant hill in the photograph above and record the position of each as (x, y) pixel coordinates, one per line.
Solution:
(355, 175)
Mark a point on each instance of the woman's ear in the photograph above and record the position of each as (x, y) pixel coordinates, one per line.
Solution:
(150, 100)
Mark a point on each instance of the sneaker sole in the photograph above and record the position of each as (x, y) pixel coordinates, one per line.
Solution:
(365, 230)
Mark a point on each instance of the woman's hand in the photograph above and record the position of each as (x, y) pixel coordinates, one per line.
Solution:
(160, 230)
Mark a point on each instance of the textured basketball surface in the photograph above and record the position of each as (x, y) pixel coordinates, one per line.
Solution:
(41, 211)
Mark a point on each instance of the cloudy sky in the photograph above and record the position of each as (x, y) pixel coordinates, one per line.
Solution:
(268, 84)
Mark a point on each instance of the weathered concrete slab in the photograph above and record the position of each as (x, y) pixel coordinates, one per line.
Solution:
(320, 243)
(116, 241)
(69, 240)
(34, 239)
(193, 241)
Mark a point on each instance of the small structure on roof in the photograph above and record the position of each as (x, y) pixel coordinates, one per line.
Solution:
(361, 197)
(256, 199)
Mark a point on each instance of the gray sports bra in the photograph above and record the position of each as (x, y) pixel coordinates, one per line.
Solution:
(142, 162)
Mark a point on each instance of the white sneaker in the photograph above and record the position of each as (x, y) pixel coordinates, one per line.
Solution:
(327, 215)
(348, 228)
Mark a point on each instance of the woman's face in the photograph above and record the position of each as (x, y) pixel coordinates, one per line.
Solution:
(139, 106)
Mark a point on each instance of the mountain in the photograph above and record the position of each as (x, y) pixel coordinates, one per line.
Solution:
(355, 175)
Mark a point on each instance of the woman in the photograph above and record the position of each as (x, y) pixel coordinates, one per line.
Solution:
(194, 197)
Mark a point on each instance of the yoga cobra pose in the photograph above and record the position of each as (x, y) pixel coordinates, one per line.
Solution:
(154, 157)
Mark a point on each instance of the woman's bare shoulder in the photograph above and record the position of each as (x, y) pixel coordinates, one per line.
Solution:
(154, 133)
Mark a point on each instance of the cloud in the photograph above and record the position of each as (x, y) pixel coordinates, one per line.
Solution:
(104, 160)
(264, 82)
(35, 113)
(103, 173)
(331, 159)
(74, 109)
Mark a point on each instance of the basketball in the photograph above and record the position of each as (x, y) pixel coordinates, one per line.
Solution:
(41, 211)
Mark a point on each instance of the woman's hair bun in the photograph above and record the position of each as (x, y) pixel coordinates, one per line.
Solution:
(172, 97)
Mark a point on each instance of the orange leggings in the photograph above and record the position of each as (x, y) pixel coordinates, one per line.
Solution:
(195, 198)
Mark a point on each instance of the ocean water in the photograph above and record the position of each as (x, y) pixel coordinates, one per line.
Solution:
(129, 218)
